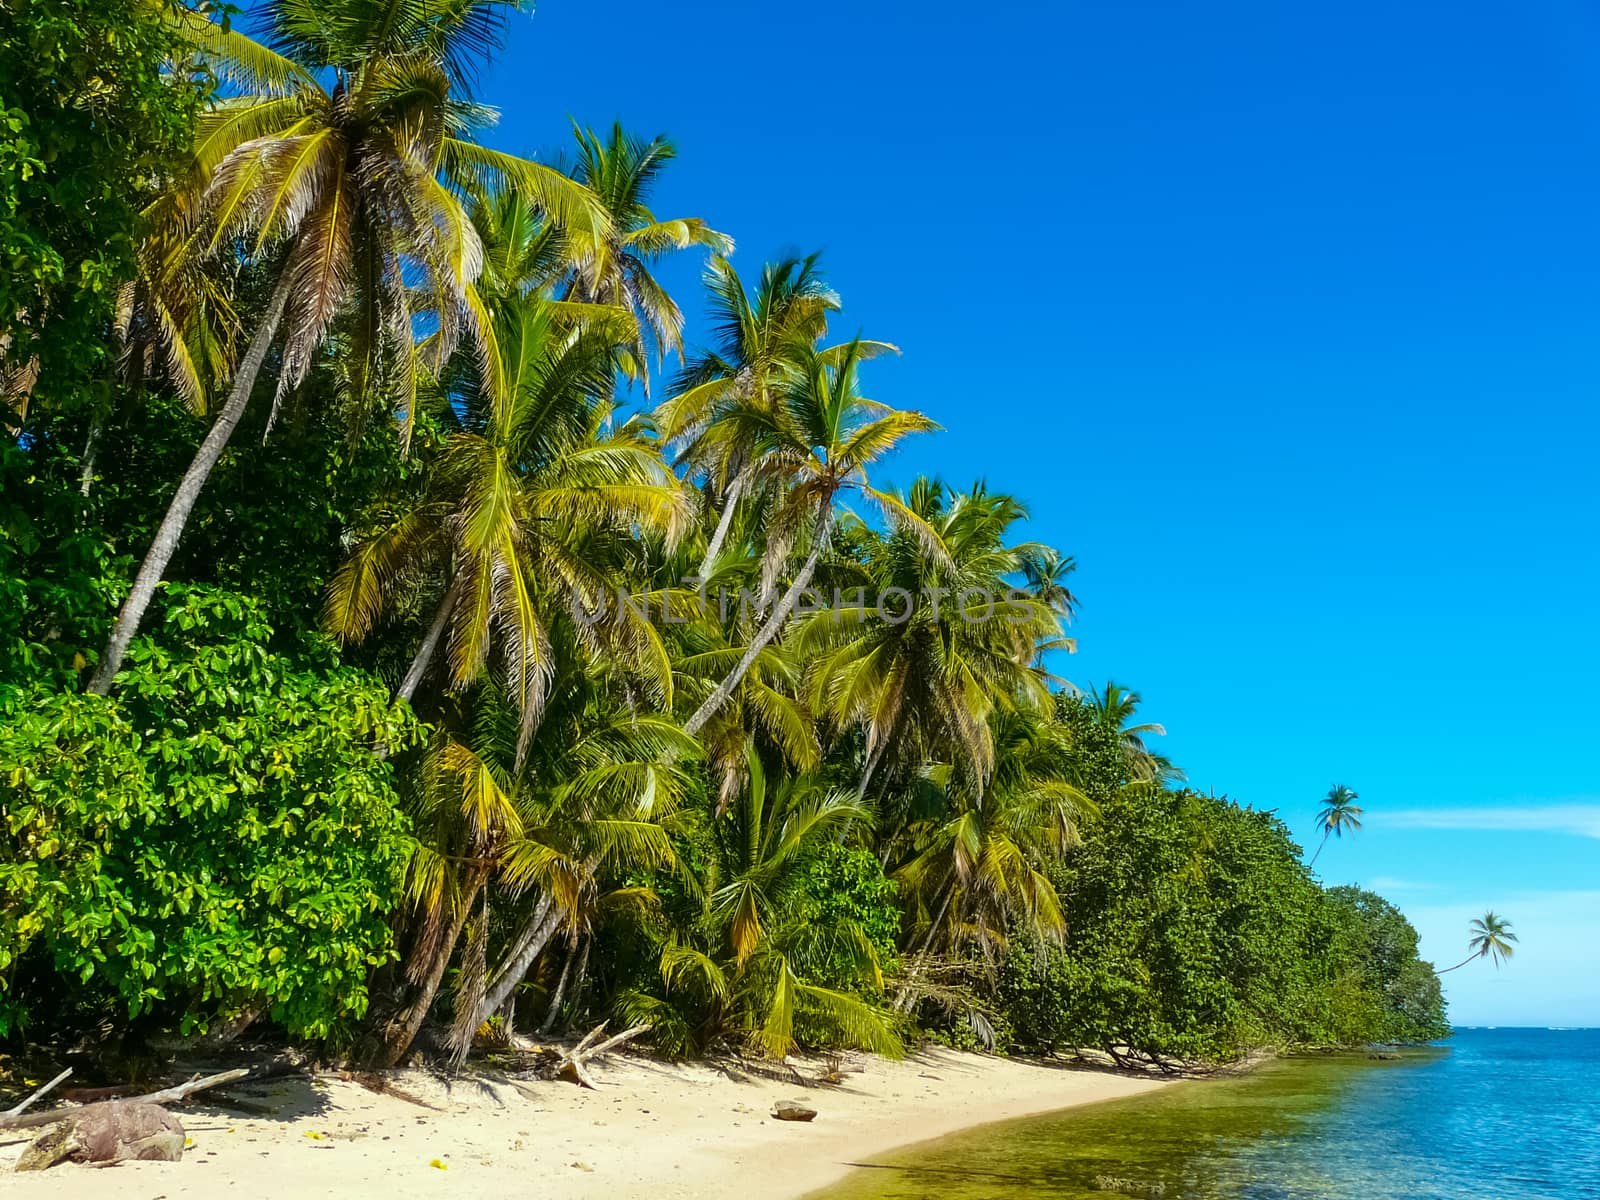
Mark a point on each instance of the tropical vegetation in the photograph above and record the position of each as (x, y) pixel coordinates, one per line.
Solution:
(414, 628)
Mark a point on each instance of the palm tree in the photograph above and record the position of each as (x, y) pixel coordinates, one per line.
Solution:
(621, 171)
(922, 684)
(1490, 937)
(334, 170)
(512, 528)
(983, 861)
(816, 443)
(757, 338)
(596, 801)
(752, 960)
(484, 827)
(1115, 708)
(1339, 813)
(766, 709)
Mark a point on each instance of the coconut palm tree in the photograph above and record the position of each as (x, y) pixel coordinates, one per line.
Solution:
(816, 443)
(336, 169)
(1339, 812)
(766, 709)
(922, 682)
(1489, 936)
(983, 861)
(1115, 707)
(752, 961)
(757, 337)
(601, 782)
(621, 171)
(594, 803)
(512, 529)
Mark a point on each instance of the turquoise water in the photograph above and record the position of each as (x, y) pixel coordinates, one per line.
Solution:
(1493, 1114)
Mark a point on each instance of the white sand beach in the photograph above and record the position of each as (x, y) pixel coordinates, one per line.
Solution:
(663, 1131)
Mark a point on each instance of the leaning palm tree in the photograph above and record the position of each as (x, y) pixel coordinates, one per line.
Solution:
(1339, 813)
(1489, 937)
(334, 170)
(816, 443)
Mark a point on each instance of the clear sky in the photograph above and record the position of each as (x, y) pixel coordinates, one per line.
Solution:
(1281, 318)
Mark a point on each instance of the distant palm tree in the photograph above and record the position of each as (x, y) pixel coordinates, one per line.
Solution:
(1491, 937)
(1339, 813)
(1115, 708)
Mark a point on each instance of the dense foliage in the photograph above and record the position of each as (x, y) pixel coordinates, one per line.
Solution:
(435, 638)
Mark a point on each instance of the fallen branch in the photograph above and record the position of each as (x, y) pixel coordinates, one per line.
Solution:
(176, 1094)
(573, 1065)
(23, 1107)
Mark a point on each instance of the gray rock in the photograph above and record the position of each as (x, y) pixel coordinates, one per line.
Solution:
(793, 1110)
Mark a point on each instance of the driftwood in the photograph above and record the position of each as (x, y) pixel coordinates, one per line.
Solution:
(19, 1109)
(104, 1134)
(172, 1095)
(285, 1062)
(572, 1066)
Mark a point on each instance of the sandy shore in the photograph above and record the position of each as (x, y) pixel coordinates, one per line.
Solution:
(651, 1130)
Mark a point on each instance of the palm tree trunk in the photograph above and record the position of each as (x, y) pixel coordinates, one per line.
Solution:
(536, 934)
(720, 534)
(194, 479)
(903, 1001)
(768, 631)
(580, 978)
(561, 989)
(430, 643)
(91, 448)
(1320, 849)
(1473, 957)
(870, 769)
(401, 1032)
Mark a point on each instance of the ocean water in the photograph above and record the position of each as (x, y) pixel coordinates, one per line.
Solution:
(1491, 1114)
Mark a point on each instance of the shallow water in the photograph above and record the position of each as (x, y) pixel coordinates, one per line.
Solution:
(1504, 1114)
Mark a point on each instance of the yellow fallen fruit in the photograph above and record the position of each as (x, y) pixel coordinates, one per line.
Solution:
(443, 1166)
(313, 1135)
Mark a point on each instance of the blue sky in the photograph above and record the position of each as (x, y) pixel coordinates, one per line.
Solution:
(1283, 322)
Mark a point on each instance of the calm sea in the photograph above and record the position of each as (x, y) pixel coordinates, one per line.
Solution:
(1496, 1114)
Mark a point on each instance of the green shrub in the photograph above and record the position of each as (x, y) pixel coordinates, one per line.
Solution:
(217, 837)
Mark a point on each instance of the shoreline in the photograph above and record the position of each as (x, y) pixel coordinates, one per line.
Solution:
(666, 1131)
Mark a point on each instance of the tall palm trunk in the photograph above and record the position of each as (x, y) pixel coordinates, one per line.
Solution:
(729, 502)
(768, 631)
(165, 543)
(906, 998)
(1320, 849)
(91, 450)
(871, 769)
(1473, 957)
(402, 1031)
(419, 665)
(561, 990)
(536, 933)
